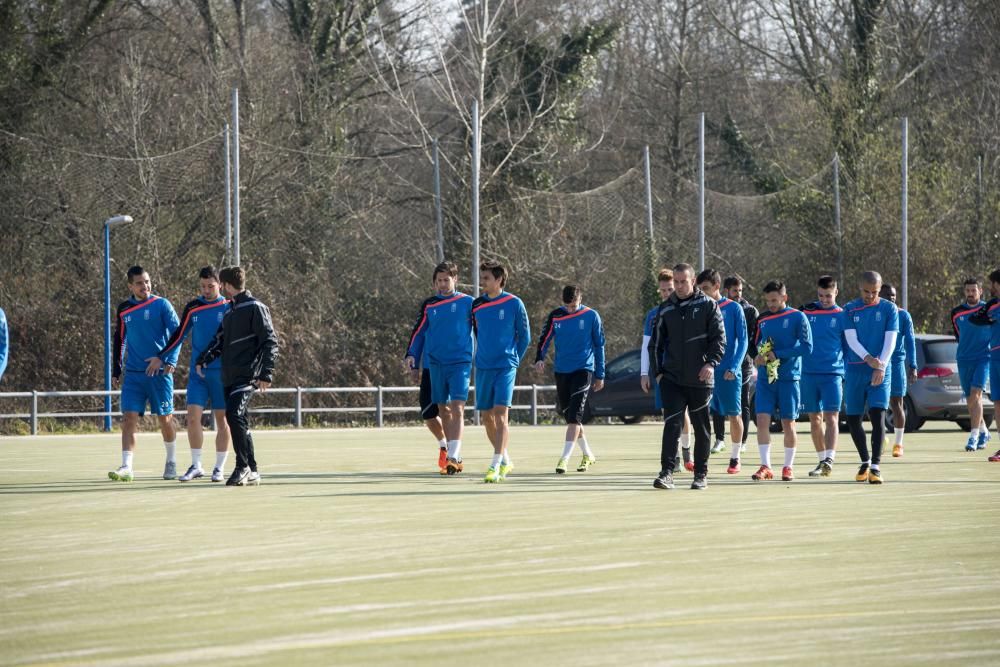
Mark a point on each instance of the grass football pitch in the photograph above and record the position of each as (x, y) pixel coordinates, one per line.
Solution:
(355, 551)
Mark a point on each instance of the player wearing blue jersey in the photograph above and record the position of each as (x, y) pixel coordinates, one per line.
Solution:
(733, 288)
(902, 370)
(729, 375)
(442, 335)
(665, 286)
(143, 324)
(973, 358)
(787, 331)
(4, 342)
(871, 326)
(578, 335)
(201, 319)
(989, 315)
(502, 337)
(822, 381)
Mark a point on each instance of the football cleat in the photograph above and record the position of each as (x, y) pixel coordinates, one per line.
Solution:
(253, 479)
(194, 472)
(218, 475)
(443, 460)
(665, 480)
(699, 483)
(123, 474)
(862, 475)
(562, 465)
(984, 437)
(817, 471)
(492, 476)
(897, 451)
(786, 474)
(827, 467)
(505, 469)
(585, 463)
(454, 466)
(995, 458)
(239, 476)
(734, 466)
(719, 446)
(170, 470)
(970, 445)
(762, 474)
(874, 476)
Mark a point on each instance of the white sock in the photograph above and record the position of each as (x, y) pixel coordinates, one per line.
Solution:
(196, 458)
(454, 449)
(443, 444)
(874, 466)
(496, 460)
(220, 459)
(899, 435)
(171, 448)
(736, 451)
(585, 447)
(505, 458)
(974, 433)
(789, 456)
(831, 453)
(686, 440)
(127, 459)
(822, 455)
(568, 449)
(765, 453)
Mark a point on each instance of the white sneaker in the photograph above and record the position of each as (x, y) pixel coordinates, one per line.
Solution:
(170, 470)
(253, 479)
(719, 446)
(218, 475)
(123, 474)
(194, 472)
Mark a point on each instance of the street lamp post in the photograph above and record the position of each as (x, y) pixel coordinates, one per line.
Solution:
(108, 224)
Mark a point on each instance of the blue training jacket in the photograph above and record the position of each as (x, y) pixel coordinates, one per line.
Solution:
(579, 340)
(502, 333)
(906, 344)
(871, 324)
(989, 315)
(201, 319)
(443, 330)
(973, 341)
(827, 328)
(789, 330)
(735, 324)
(142, 329)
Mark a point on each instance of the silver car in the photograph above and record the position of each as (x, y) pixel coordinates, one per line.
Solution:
(937, 393)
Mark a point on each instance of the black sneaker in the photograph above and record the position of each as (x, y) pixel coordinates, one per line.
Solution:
(664, 481)
(238, 478)
(818, 470)
(699, 482)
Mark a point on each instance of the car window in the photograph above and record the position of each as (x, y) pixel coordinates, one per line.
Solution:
(625, 365)
(940, 351)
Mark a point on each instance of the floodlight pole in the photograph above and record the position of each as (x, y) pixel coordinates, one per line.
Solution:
(649, 194)
(701, 191)
(236, 176)
(475, 198)
(905, 205)
(108, 224)
(438, 214)
(229, 198)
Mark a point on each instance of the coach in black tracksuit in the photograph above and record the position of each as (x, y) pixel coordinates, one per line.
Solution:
(687, 344)
(249, 348)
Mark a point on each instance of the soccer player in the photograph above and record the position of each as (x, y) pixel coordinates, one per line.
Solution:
(443, 334)
(143, 324)
(688, 344)
(733, 286)
(973, 358)
(3, 342)
(201, 318)
(871, 325)
(822, 382)
(665, 286)
(903, 367)
(502, 338)
(787, 330)
(249, 347)
(578, 335)
(726, 394)
(989, 315)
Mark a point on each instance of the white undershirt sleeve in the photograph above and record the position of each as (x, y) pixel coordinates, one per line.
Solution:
(887, 347)
(644, 357)
(851, 335)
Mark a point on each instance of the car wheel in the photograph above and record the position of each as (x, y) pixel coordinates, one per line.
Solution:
(913, 422)
(964, 424)
(631, 420)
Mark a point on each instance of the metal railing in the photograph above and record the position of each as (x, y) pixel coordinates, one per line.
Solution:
(298, 410)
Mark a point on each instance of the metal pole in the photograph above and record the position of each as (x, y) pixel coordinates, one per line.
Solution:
(701, 191)
(649, 194)
(475, 198)
(438, 214)
(107, 326)
(534, 405)
(34, 412)
(229, 199)
(906, 178)
(236, 176)
(298, 407)
(836, 219)
(378, 407)
(980, 230)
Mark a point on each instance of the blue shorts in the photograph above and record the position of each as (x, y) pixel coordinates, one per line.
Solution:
(726, 396)
(494, 387)
(783, 395)
(821, 392)
(995, 375)
(858, 391)
(449, 382)
(973, 374)
(202, 390)
(897, 378)
(139, 388)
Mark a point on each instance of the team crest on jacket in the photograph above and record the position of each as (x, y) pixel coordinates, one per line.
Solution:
(878, 317)
(784, 325)
(454, 307)
(581, 324)
(502, 313)
(145, 314)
